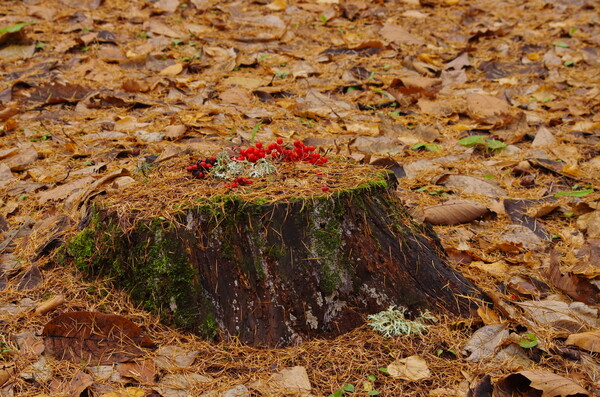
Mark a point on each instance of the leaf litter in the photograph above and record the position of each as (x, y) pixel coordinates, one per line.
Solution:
(92, 90)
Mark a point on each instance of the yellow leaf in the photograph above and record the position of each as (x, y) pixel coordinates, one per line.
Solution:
(172, 70)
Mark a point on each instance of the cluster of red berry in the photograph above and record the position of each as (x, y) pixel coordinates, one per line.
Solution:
(202, 167)
(276, 150)
(239, 181)
(300, 152)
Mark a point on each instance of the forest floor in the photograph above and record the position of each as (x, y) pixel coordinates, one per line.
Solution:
(492, 103)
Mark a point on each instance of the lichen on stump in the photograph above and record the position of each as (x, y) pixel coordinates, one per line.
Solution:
(263, 265)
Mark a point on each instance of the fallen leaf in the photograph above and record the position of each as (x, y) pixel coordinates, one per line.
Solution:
(94, 337)
(52, 93)
(454, 212)
(6, 175)
(143, 371)
(292, 381)
(30, 279)
(177, 385)
(396, 34)
(517, 211)
(171, 357)
(23, 159)
(412, 368)
(590, 224)
(589, 341)
(128, 392)
(61, 192)
(577, 287)
(489, 110)
(548, 383)
(471, 184)
(543, 138)
(484, 342)
(521, 236)
(80, 382)
(172, 70)
(29, 344)
(40, 371)
(408, 90)
(562, 317)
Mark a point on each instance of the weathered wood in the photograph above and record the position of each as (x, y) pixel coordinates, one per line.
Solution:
(280, 273)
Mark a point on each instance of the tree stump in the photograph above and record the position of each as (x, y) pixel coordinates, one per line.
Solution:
(272, 273)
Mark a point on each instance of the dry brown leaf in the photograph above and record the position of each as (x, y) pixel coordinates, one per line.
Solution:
(408, 90)
(470, 184)
(590, 224)
(560, 316)
(413, 368)
(94, 337)
(8, 111)
(488, 316)
(79, 383)
(236, 96)
(172, 70)
(489, 110)
(589, 341)
(171, 357)
(23, 159)
(63, 191)
(454, 212)
(30, 279)
(577, 287)
(398, 35)
(174, 132)
(543, 137)
(143, 371)
(548, 383)
(157, 27)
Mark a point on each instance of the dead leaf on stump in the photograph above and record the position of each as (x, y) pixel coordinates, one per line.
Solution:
(94, 337)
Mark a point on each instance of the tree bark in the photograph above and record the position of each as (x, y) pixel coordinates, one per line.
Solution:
(276, 274)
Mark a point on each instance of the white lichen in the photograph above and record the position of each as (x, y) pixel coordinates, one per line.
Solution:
(227, 167)
(392, 322)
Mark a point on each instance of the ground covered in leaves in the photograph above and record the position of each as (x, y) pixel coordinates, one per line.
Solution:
(487, 111)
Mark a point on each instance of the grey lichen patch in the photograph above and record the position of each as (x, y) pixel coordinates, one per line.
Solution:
(326, 244)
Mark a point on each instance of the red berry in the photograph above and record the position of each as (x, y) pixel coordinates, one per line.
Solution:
(189, 169)
(280, 141)
(200, 175)
(297, 143)
(241, 158)
(310, 148)
(325, 188)
(324, 159)
(258, 145)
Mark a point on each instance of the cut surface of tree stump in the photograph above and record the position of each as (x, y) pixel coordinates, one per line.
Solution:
(273, 273)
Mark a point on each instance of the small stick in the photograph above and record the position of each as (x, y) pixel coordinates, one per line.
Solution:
(49, 304)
